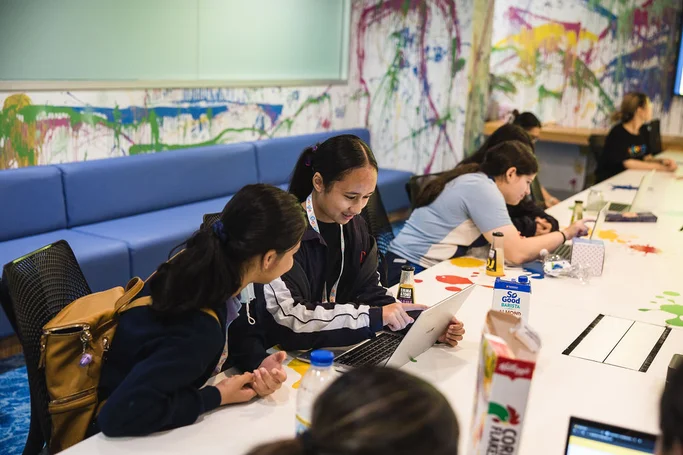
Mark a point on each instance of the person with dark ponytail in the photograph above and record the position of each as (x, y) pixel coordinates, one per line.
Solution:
(332, 296)
(164, 353)
(529, 216)
(626, 144)
(462, 208)
(372, 411)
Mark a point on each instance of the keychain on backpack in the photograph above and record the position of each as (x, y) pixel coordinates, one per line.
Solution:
(86, 357)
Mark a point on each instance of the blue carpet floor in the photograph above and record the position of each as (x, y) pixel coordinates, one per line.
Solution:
(15, 406)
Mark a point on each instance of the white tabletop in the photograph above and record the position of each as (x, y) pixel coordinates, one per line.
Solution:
(561, 308)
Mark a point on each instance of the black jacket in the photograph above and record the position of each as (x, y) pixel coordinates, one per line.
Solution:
(289, 311)
(523, 216)
(153, 373)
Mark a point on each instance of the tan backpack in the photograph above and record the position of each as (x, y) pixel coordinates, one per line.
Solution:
(73, 348)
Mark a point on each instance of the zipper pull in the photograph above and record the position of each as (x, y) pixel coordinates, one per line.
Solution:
(86, 357)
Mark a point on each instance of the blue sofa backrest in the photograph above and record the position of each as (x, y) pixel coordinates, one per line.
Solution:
(31, 201)
(276, 157)
(117, 187)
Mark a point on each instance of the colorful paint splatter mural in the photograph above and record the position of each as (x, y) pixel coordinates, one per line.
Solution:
(570, 61)
(411, 57)
(407, 83)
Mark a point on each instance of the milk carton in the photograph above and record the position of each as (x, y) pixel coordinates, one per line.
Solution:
(513, 296)
(507, 360)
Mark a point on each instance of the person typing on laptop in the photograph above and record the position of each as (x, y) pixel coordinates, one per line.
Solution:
(332, 296)
(463, 207)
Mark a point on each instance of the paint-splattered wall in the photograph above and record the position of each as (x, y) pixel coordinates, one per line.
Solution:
(570, 61)
(408, 84)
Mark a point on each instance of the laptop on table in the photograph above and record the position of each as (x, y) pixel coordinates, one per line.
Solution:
(394, 349)
(638, 200)
(565, 250)
(595, 438)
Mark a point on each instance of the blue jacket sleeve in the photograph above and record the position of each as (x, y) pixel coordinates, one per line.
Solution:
(159, 393)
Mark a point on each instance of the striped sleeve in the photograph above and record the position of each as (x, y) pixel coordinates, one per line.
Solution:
(316, 324)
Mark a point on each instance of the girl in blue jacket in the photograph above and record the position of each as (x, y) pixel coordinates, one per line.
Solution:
(164, 353)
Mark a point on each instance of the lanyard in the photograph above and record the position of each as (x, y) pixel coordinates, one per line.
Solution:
(314, 224)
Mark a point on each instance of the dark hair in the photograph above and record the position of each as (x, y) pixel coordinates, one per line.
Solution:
(526, 120)
(333, 159)
(629, 105)
(257, 219)
(496, 162)
(373, 410)
(671, 412)
(507, 132)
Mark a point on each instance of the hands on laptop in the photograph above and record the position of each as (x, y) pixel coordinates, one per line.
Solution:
(396, 317)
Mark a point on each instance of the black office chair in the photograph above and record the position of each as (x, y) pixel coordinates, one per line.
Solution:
(596, 144)
(39, 285)
(653, 136)
(416, 184)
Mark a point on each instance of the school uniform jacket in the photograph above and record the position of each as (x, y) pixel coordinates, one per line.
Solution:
(292, 312)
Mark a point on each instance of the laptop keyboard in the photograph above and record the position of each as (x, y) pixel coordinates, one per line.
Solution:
(371, 353)
(564, 251)
(618, 207)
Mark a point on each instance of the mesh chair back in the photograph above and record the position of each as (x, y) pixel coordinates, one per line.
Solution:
(40, 284)
(416, 184)
(375, 216)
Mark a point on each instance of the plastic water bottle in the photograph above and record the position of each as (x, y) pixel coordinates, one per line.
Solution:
(318, 377)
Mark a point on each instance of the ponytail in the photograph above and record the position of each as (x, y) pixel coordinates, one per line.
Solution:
(629, 105)
(285, 447)
(433, 189)
(497, 160)
(301, 183)
(526, 120)
(259, 218)
(333, 159)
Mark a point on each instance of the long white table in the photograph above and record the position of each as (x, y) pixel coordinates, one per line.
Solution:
(561, 308)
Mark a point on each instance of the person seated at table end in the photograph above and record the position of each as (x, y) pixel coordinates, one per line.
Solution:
(671, 417)
(626, 145)
(374, 410)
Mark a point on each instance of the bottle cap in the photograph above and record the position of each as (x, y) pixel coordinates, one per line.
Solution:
(408, 268)
(578, 202)
(498, 234)
(523, 279)
(321, 358)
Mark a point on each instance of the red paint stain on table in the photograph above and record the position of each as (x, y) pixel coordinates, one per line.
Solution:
(453, 288)
(645, 249)
(417, 280)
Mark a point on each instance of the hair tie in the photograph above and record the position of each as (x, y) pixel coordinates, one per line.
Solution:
(315, 147)
(307, 161)
(307, 442)
(218, 231)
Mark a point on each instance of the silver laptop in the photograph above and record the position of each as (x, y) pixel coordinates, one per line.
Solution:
(394, 349)
(565, 250)
(638, 203)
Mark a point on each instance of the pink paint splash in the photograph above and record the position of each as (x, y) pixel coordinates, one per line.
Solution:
(645, 249)
(326, 123)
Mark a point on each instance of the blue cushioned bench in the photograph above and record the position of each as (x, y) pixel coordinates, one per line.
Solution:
(33, 215)
(122, 216)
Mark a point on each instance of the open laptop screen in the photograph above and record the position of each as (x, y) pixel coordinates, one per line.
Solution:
(593, 438)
